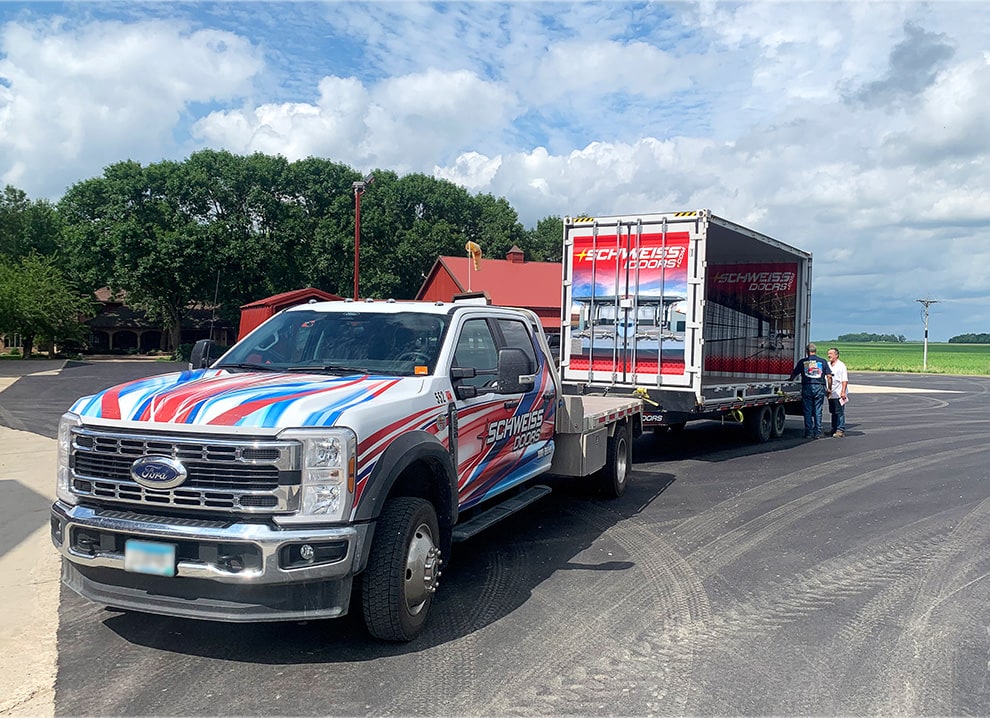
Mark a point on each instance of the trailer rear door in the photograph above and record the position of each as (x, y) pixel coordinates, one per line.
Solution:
(631, 310)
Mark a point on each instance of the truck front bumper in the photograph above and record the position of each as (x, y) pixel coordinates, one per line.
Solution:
(224, 570)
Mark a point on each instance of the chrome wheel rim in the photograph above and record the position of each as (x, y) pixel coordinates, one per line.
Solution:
(422, 569)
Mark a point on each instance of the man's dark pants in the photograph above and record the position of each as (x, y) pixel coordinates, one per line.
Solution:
(812, 402)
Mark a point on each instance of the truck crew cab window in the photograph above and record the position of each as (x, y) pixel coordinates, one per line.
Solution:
(517, 336)
(477, 350)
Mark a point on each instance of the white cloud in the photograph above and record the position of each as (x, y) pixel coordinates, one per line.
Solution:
(79, 98)
(403, 123)
(854, 130)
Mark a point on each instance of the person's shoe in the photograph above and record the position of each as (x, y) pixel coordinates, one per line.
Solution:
(839, 434)
(817, 436)
(808, 436)
(829, 433)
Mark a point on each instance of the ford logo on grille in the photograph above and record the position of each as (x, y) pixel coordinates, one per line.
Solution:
(158, 472)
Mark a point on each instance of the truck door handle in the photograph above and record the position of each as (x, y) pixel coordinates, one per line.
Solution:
(511, 404)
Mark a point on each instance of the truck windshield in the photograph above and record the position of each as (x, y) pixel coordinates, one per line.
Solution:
(401, 344)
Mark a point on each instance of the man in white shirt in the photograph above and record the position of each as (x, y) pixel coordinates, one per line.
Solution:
(839, 395)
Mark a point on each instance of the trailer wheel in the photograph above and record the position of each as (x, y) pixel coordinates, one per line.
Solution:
(779, 419)
(403, 567)
(759, 423)
(611, 478)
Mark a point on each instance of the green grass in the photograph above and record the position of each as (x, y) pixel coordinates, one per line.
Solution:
(908, 357)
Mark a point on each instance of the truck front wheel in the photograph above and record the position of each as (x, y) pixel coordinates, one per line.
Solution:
(403, 569)
(611, 478)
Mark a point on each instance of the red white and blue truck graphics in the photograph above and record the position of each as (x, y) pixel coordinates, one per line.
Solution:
(330, 440)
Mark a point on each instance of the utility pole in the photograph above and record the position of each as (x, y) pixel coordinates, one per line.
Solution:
(359, 188)
(926, 303)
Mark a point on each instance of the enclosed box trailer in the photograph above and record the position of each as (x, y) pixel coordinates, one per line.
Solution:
(701, 317)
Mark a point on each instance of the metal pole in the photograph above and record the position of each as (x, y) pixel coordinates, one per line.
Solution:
(926, 303)
(358, 189)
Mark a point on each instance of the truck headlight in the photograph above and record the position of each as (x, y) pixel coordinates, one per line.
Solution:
(327, 466)
(63, 470)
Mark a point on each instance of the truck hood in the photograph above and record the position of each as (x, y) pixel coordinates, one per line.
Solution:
(217, 397)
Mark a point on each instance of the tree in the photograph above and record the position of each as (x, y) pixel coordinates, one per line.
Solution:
(497, 226)
(983, 338)
(546, 240)
(36, 301)
(27, 226)
(867, 337)
(141, 240)
(174, 234)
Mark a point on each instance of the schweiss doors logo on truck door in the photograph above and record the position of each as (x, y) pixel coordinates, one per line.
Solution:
(158, 472)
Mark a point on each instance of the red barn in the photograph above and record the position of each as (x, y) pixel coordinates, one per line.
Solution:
(253, 314)
(509, 282)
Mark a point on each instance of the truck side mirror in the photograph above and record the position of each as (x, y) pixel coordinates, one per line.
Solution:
(201, 358)
(514, 369)
(463, 391)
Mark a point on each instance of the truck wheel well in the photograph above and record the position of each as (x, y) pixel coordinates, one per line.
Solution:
(425, 479)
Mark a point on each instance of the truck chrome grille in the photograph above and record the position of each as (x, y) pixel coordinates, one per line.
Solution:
(225, 474)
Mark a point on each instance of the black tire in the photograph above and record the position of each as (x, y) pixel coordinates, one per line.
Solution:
(660, 431)
(403, 567)
(611, 478)
(779, 420)
(759, 423)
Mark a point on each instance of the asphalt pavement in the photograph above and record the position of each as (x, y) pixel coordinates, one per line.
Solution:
(840, 576)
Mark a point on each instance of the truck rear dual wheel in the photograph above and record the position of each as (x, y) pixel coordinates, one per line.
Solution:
(611, 478)
(403, 569)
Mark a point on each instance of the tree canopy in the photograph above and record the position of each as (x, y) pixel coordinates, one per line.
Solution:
(970, 339)
(37, 301)
(867, 337)
(223, 229)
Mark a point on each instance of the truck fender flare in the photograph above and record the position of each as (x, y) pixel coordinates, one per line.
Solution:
(407, 449)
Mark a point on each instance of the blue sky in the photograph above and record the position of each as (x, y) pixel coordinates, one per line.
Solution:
(858, 131)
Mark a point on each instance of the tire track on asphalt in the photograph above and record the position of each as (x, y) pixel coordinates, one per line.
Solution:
(457, 629)
(751, 625)
(733, 544)
(642, 644)
(824, 591)
(922, 666)
(719, 520)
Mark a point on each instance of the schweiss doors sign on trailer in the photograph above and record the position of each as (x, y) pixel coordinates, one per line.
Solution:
(701, 313)
(629, 299)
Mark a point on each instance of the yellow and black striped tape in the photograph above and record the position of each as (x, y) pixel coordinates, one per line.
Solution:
(675, 214)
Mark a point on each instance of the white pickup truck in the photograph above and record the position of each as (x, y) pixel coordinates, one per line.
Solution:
(338, 449)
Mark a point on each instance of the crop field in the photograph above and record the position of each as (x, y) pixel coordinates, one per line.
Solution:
(942, 358)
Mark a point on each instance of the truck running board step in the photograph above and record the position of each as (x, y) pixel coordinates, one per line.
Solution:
(490, 517)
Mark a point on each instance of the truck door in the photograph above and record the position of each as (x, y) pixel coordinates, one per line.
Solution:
(500, 436)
